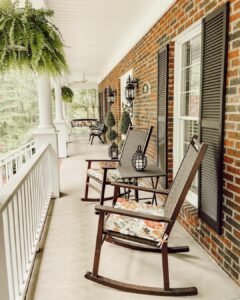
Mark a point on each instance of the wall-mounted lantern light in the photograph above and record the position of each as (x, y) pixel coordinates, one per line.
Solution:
(130, 90)
(111, 95)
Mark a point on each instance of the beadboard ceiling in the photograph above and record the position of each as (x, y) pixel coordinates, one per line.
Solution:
(98, 33)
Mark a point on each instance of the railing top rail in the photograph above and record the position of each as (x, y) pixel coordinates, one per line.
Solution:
(15, 152)
(10, 190)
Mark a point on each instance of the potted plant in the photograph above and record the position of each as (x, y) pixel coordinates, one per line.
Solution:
(29, 39)
(125, 122)
(67, 94)
(111, 135)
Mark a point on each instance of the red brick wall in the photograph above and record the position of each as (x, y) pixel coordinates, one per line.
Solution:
(143, 60)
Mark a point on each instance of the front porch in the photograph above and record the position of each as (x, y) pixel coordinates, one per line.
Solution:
(70, 241)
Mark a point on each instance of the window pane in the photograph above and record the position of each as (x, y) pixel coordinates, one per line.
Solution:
(190, 83)
(186, 59)
(190, 128)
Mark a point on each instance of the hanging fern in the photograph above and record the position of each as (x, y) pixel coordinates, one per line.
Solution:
(29, 39)
(67, 94)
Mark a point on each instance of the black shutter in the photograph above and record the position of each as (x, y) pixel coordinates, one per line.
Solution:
(162, 111)
(213, 75)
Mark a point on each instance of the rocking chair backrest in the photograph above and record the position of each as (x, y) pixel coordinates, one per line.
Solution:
(134, 138)
(101, 127)
(183, 180)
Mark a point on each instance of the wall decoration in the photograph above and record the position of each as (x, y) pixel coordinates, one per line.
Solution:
(146, 89)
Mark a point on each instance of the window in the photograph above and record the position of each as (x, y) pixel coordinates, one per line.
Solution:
(187, 97)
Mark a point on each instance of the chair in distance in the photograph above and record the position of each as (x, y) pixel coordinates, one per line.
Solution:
(96, 131)
(107, 172)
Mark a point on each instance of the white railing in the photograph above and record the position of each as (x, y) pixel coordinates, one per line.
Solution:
(23, 207)
(11, 163)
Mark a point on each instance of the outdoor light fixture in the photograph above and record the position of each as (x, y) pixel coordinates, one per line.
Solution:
(113, 151)
(111, 95)
(130, 90)
(139, 160)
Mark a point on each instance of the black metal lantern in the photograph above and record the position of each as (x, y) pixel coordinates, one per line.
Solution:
(130, 90)
(111, 95)
(139, 160)
(113, 151)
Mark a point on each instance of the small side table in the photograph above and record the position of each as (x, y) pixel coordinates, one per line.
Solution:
(151, 171)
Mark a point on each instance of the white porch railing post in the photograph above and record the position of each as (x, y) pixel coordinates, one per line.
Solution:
(4, 282)
(66, 118)
(59, 122)
(46, 132)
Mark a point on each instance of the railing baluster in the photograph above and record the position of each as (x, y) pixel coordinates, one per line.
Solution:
(22, 218)
(24, 227)
(29, 204)
(13, 250)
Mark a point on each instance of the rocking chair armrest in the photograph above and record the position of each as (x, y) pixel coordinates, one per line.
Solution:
(130, 213)
(108, 168)
(103, 160)
(140, 188)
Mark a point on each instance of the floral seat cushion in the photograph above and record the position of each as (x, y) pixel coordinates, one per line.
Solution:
(112, 175)
(136, 227)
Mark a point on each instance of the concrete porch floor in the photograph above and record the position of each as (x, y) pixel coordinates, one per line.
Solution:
(69, 249)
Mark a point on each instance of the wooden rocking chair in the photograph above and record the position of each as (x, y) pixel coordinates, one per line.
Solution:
(107, 172)
(148, 226)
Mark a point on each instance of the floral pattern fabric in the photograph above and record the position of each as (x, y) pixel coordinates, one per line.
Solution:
(150, 230)
(112, 175)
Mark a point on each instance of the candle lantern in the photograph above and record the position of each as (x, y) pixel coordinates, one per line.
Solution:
(113, 151)
(139, 160)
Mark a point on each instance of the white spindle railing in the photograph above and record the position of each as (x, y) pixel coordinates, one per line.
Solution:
(11, 163)
(23, 207)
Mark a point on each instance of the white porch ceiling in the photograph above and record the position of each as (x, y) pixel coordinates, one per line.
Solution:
(98, 33)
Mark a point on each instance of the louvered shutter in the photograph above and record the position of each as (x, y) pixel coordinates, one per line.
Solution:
(162, 111)
(214, 59)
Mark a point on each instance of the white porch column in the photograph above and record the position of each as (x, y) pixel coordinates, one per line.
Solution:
(46, 132)
(67, 121)
(60, 122)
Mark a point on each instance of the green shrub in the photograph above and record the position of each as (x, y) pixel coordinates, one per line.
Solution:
(111, 135)
(110, 120)
(125, 121)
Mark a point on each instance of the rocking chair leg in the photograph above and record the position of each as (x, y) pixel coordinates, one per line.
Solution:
(87, 182)
(115, 195)
(100, 138)
(98, 245)
(103, 186)
(165, 266)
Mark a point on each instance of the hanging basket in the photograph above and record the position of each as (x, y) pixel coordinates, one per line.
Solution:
(139, 160)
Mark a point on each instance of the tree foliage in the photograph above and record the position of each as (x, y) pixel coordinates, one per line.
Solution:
(84, 104)
(28, 38)
(18, 109)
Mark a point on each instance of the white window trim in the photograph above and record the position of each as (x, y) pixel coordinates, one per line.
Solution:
(177, 132)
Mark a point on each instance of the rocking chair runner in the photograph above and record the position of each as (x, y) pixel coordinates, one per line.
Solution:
(107, 171)
(148, 225)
